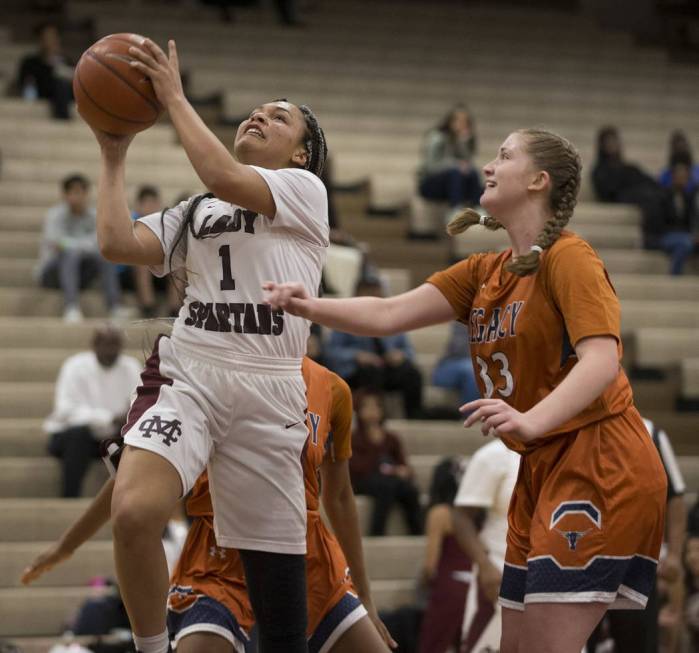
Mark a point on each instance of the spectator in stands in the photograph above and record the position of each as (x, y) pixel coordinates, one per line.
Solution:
(617, 181)
(480, 528)
(384, 364)
(92, 396)
(378, 466)
(69, 257)
(679, 146)
(455, 369)
(447, 172)
(445, 568)
(636, 631)
(48, 74)
(678, 232)
(139, 278)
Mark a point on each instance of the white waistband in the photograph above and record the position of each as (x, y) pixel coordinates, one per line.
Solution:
(237, 361)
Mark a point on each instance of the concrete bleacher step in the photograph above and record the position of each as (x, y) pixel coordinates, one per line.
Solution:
(30, 477)
(690, 378)
(34, 611)
(665, 348)
(41, 302)
(94, 558)
(54, 333)
(41, 519)
(389, 557)
(39, 365)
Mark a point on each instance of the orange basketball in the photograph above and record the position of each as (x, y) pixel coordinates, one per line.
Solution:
(109, 93)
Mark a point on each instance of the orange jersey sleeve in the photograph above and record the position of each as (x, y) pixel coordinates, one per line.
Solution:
(459, 284)
(341, 419)
(582, 291)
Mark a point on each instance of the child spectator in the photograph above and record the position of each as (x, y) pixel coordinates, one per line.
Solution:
(384, 364)
(138, 277)
(69, 257)
(93, 394)
(378, 466)
(447, 172)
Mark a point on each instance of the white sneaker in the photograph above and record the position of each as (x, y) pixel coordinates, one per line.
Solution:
(120, 313)
(72, 315)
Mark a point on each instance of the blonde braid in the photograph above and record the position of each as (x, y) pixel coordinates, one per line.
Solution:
(469, 217)
(561, 160)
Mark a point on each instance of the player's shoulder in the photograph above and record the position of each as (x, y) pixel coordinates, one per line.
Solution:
(570, 245)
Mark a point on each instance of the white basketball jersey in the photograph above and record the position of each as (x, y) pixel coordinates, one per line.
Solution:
(229, 252)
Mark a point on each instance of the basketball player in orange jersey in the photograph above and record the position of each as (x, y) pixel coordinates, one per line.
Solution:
(208, 606)
(586, 517)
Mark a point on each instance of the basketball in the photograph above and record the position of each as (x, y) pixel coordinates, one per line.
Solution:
(109, 93)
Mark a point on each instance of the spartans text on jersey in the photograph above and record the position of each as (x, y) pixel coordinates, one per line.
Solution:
(237, 317)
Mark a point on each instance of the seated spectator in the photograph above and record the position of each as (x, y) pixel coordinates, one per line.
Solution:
(384, 364)
(446, 568)
(617, 181)
(378, 466)
(447, 172)
(69, 257)
(455, 369)
(678, 232)
(679, 146)
(92, 397)
(138, 277)
(636, 631)
(48, 74)
(480, 527)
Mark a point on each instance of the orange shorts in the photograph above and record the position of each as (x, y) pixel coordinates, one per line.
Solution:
(586, 518)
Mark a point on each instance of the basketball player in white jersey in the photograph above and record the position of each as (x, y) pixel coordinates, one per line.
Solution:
(226, 388)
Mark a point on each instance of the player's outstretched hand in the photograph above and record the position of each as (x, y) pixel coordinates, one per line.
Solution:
(163, 70)
(44, 562)
(292, 298)
(499, 418)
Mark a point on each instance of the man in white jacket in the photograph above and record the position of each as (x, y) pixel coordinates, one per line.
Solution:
(92, 397)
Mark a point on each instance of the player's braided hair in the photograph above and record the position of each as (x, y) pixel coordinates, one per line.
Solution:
(315, 144)
(558, 157)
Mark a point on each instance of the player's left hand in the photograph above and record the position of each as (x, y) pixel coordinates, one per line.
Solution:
(499, 418)
(163, 71)
(44, 562)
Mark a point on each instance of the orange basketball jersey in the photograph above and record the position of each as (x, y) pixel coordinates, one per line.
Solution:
(523, 330)
(206, 569)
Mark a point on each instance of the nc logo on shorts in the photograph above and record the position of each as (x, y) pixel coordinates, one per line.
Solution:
(169, 429)
(572, 517)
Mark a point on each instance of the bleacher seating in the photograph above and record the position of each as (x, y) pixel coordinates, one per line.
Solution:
(376, 85)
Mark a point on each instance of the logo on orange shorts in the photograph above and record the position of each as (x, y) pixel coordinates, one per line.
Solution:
(575, 514)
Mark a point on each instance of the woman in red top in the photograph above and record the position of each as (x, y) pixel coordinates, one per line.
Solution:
(586, 517)
(378, 467)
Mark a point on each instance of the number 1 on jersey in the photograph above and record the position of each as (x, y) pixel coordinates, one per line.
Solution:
(227, 280)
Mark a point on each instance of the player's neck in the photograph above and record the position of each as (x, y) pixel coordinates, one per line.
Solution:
(524, 227)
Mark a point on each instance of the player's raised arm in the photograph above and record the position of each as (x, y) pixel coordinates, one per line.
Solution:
(120, 239)
(94, 517)
(364, 316)
(227, 178)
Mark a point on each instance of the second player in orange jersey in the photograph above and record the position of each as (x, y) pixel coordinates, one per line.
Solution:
(209, 609)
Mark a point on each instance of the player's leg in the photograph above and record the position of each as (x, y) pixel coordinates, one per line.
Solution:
(511, 630)
(559, 627)
(277, 590)
(362, 636)
(204, 643)
(146, 490)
